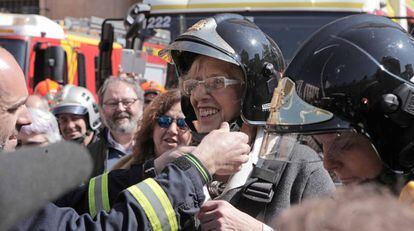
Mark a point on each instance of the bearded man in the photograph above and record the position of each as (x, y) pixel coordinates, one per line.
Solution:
(120, 107)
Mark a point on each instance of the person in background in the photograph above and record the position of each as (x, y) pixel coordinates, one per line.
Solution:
(48, 89)
(37, 101)
(352, 208)
(120, 106)
(42, 131)
(77, 115)
(151, 90)
(79, 121)
(163, 128)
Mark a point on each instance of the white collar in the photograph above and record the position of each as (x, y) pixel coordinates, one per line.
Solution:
(113, 144)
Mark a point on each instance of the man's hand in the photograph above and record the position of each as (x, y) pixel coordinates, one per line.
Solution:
(170, 155)
(221, 215)
(223, 152)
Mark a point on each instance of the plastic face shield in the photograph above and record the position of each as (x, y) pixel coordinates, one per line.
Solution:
(288, 109)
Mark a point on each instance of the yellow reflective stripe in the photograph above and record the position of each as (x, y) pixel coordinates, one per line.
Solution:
(156, 205)
(233, 5)
(165, 202)
(105, 192)
(146, 205)
(199, 168)
(91, 197)
(98, 194)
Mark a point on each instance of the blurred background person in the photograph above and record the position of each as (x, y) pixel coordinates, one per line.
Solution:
(354, 208)
(42, 131)
(120, 107)
(151, 90)
(37, 101)
(48, 89)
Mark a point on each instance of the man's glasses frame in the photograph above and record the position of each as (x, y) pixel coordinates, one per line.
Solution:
(127, 102)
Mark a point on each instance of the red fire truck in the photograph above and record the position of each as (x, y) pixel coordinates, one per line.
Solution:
(43, 50)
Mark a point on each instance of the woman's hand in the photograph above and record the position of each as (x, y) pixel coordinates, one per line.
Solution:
(221, 215)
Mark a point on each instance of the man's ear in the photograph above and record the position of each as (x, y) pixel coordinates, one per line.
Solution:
(100, 109)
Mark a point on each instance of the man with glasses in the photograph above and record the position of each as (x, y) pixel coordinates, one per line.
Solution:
(120, 105)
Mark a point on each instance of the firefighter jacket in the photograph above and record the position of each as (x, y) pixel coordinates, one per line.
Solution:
(101, 191)
(161, 203)
(299, 181)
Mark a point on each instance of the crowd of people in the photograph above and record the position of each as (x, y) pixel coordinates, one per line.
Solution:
(169, 159)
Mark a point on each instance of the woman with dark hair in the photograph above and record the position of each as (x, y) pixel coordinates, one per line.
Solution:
(158, 141)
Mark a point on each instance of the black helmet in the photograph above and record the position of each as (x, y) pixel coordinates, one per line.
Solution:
(234, 39)
(360, 70)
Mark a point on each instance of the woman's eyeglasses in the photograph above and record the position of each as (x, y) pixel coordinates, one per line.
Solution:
(210, 84)
(165, 121)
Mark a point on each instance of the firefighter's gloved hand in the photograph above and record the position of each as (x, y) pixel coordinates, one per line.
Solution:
(221, 215)
(223, 152)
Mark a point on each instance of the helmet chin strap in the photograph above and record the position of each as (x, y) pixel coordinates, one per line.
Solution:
(393, 180)
(235, 126)
(82, 138)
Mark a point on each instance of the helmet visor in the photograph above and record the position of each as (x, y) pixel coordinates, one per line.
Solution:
(193, 47)
(280, 147)
(70, 109)
(289, 113)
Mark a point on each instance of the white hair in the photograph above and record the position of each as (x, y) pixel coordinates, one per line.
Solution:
(43, 122)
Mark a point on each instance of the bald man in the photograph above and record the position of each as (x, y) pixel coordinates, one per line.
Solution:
(13, 95)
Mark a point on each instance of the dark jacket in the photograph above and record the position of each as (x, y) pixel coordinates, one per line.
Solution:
(175, 196)
(98, 149)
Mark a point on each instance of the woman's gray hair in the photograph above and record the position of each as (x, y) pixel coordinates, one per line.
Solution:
(127, 80)
(43, 122)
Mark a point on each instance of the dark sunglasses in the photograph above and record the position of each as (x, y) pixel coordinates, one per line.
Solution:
(165, 122)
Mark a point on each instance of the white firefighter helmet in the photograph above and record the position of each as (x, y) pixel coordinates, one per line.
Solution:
(79, 101)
